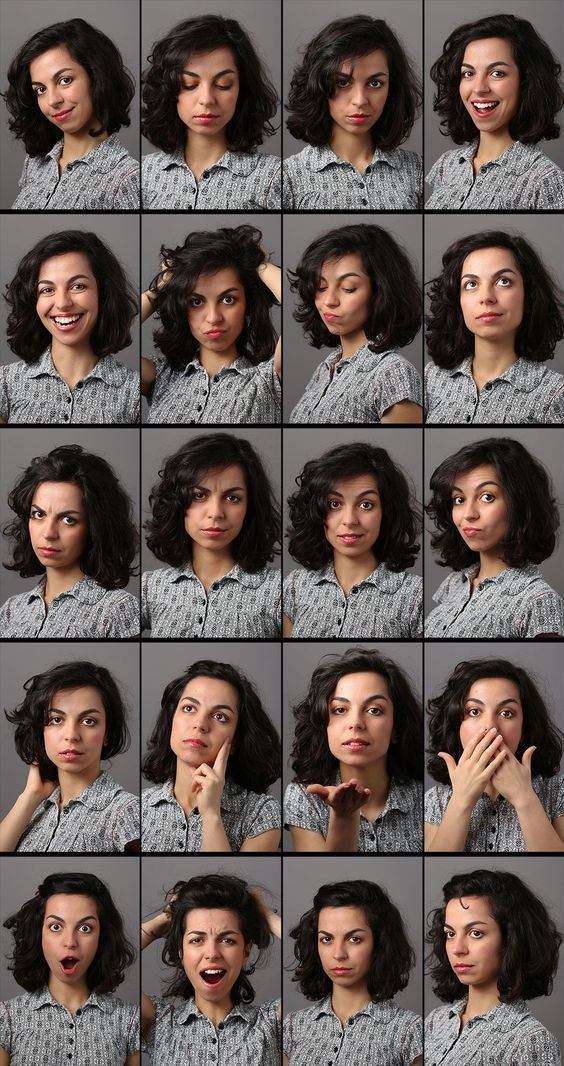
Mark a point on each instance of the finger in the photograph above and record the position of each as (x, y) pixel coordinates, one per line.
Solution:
(220, 763)
(318, 790)
(448, 759)
(527, 756)
(474, 741)
(495, 765)
(483, 757)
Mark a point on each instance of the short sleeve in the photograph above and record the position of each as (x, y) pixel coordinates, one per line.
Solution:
(300, 810)
(545, 614)
(123, 822)
(538, 1046)
(412, 1040)
(5, 616)
(5, 1028)
(398, 380)
(133, 1032)
(122, 618)
(262, 814)
(274, 188)
(5, 395)
(126, 195)
(554, 414)
(434, 806)
(547, 191)
(554, 796)
(435, 172)
(24, 176)
(270, 379)
(289, 598)
(270, 1015)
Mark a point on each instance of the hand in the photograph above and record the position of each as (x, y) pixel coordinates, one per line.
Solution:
(36, 787)
(344, 799)
(273, 919)
(476, 766)
(513, 778)
(158, 926)
(209, 781)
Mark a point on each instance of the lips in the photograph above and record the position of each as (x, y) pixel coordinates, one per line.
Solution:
(193, 743)
(215, 333)
(463, 967)
(355, 744)
(63, 114)
(66, 323)
(349, 538)
(489, 315)
(48, 551)
(329, 317)
(69, 965)
(470, 532)
(70, 754)
(212, 976)
(341, 971)
(484, 107)
(213, 532)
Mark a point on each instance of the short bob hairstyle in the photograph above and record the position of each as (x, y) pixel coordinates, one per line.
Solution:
(224, 892)
(530, 939)
(397, 544)
(446, 713)
(32, 715)
(315, 81)
(112, 538)
(168, 541)
(392, 957)
(395, 311)
(162, 83)
(255, 760)
(312, 760)
(111, 83)
(541, 96)
(27, 336)
(532, 514)
(203, 254)
(449, 341)
(114, 954)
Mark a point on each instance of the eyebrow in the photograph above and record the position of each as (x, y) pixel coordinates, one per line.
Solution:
(378, 74)
(498, 63)
(204, 932)
(468, 926)
(480, 486)
(86, 916)
(376, 696)
(502, 703)
(367, 492)
(75, 277)
(192, 73)
(233, 288)
(234, 488)
(56, 75)
(325, 932)
(216, 706)
(351, 274)
(504, 270)
(60, 514)
(91, 710)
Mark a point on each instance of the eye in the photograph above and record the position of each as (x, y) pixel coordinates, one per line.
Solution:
(449, 933)
(504, 282)
(349, 290)
(85, 928)
(233, 498)
(228, 940)
(79, 286)
(338, 710)
(36, 512)
(187, 708)
(487, 497)
(221, 717)
(333, 505)
(457, 500)
(46, 291)
(324, 939)
(470, 285)
(225, 88)
(499, 73)
(367, 505)
(66, 80)
(465, 74)
(355, 939)
(68, 520)
(195, 940)
(54, 719)
(229, 300)
(189, 88)
(195, 301)
(375, 83)
(55, 926)
(476, 934)
(473, 712)
(39, 90)
(198, 495)
(376, 710)
(507, 713)
(90, 721)
(342, 83)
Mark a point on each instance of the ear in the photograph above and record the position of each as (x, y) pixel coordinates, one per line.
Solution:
(247, 951)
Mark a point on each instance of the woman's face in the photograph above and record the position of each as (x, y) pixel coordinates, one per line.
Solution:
(216, 310)
(492, 294)
(213, 952)
(63, 90)
(76, 730)
(493, 702)
(489, 84)
(354, 516)
(206, 716)
(345, 943)
(67, 298)
(362, 86)
(479, 508)
(473, 942)
(344, 295)
(208, 92)
(70, 936)
(217, 512)
(58, 524)
(360, 721)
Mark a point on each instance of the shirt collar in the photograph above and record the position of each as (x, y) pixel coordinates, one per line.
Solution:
(241, 365)
(320, 158)
(107, 369)
(364, 360)
(524, 374)
(235, 162)
(109, 151)
(43, 998)
(244, 1011)
(243, 577)
(516, 159)
(85, 590)
(529, 571)
(505, 1016)
(382, 578)
(377, 1012)
(96, 796)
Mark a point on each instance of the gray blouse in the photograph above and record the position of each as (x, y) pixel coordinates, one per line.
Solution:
(175, 604)
(239, 181)
(516, 604)
(182, 1036)
(109, 394)
(240, 393)
(359, 389)
(508, 1035)
(380, 1033)
(384, 604)
(165, 826)
(103, 818)
(34, 1028)
(524, 394)
(495, 826)
(522, 179)
(399, 827)
(105, 179)
(316, 178)
(85, 611)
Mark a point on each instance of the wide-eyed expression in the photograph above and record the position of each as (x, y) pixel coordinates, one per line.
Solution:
(345, 943)
(354, 516)
(493, 702)
(58, 524)
(208, 92)
(344, 296)
(67, 298)
(479, 508)
(70, 936)
(216, 310)
(75, 732)
(63, 90)
(360, 719)
(473, 941)
(217, 512)
(206, 716)
(361, 90)
(492, 294)
(213, 952)
(489, 84)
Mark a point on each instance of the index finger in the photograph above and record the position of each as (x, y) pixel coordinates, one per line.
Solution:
(220, 762)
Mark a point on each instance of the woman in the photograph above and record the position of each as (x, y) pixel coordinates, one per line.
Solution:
(216, 523)
(353, 956)
(494, 945)
(357, 759)
(69, 94)
(210, 925)
(358, 293)
(496, 519)
(70, 953)
(212, 756)
(208, 102)
(74, 527)
(219, 361)
(497, 88)
(353, 529)
(72, 307)
(496, 318)
(486, 728)
(353, 99)
(72, 717)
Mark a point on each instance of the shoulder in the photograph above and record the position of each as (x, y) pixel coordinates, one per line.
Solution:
(445, 165)
(294, 164)
(13, 603)
(436, 1017)
(265, 165)
(156, 161)
(407, 160)
(450, 586)
(542, 165)
(154, 581)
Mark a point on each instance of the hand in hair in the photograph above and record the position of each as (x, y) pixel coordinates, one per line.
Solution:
(513, 778)
(344, 799)
(209, 781)
(156, 927)
(274, 920)
(35, 792)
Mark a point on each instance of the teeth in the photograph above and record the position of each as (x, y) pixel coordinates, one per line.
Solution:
(213, 971)
(66, 321)
(485, 107)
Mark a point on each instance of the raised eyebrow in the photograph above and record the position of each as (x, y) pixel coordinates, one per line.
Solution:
(504, 270)
(216, 706)
(469, 925)
(498, 63)
(376, 696)
(75, 277)
(502, 703)
(456, 488)
(56, 75)
(87, 917)
(192, 73)
(325, 932)
(204, 932)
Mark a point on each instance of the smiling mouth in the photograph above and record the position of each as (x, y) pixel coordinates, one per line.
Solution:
(63, 114)
(485, 107)
(212, 976)
(349, 538)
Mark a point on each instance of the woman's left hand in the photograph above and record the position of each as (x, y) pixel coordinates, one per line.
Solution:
(513, 778)
(272, 917)
(209, 781)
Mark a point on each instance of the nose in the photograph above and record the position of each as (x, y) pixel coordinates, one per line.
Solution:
(216, 506)
(470, 509)
(339, 951)
(212, 952)
(488, 295)
(215, 314)
(50, 528)
(331, 298)
(71, 731)
(459, 946)
(358, 95)
(199, 723)
(349, 515)
(207, 94)
(481, 87)
(63, 299)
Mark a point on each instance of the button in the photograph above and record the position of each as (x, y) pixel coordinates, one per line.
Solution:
(468, 418)
(66, 418)
(339, 368)
(71, 1039)
(354, 589)
(488, 386)
(182, 828)
(490, 847)
(79, 384)
(69, 399)
(55, 603)
(180, 845)
(214, 1040)
(200, 620)
(350, 1021)
(215, 377)
(220, 1026)
(79, 1012)
(188, 208)
(206, 174)
(215, 586)
(339, 621)
(364, 203)
(199, 407)
(372, 836)
(71, 1025)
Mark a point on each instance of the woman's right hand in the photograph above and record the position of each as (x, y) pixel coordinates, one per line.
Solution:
(35, 787)
(479, 761)
(157, 927)
(344, 799)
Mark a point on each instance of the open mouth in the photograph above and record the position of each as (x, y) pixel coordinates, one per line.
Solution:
(66, 323)
(69, 965)
(356, 744)
(71, 754)
(486, 107)
(212, 977)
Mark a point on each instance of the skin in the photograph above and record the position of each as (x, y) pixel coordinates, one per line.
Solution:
(479, 512)
(362, 87)
(67, 287)
(76, 722)
(58, 521)
(489, 73)
(345, 942)
(473, 939)
(210, 87)
(492, 284)
(219, 503)
(62, 85)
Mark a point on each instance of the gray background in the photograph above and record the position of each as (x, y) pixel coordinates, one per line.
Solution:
(303, 19)
(301, 659)
(544, 877)
(20, 20)
(543, 444)
(544, 661)
(120, 447)
(20, 877)
(20, 232)
(299, 231)
(400, 877)
(261, 21)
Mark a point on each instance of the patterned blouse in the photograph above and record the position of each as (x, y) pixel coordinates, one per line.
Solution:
(521, 179)
(103, 818)
(105, 179)
(165, 826)
(399, 827)
(249, 1036)
(243, 393)
(318, 179)
(37, 394)
(516, 604)
(508, 1035)
(239, 181)
(359, 389)
(527, 393)
(380, 1033)
(86, 611)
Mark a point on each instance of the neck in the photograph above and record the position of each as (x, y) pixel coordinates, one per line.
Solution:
(350, 571)
(375, 776)
(213, 362)
(492, 145)
(480, 1001)
(355, 148)
(490, 359)
(72, 364)
(183, 783)
(215, 1012)
(70, 996)
(352, 342)
(77, 145)
(203, 150)
(210, 566)
(73, 785)
(60, 580)
(490, 565)
(348, 1001)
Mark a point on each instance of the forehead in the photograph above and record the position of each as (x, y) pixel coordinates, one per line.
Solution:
(210, 690)
(208, 64)
(341, 919)
(213, 284)
(487, 261)
(493, 690)
(352, 487)
(488, 50)
(363, 66)
(58, 495)
(334, 268)
(471, 478)
(78, 699)
(211, 920)
(62, 267)
(361, 686)
(45, 66)
(70, 906)
(221, 478)
(459, 912)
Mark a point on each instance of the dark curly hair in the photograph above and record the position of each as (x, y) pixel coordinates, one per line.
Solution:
(111, 83)
(112, 538)
(26, 334)
(532, 514)
(202, 254)
(392, 958)
(314, 82)
(312, 761)
(114, 954)
(449, 340)
(256, 757)
(307, 507)
(224, 892)
(541, 96)
(446, 713)
(168, 541)
(162, 82)
(31, 715)
(530, 939)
